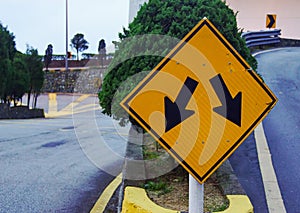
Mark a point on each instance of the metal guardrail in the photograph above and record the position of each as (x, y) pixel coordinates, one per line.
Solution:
(263, 37)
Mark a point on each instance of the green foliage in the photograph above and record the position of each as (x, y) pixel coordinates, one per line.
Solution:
(159, 186)
(150, 155)
(48, 56)
(20, 80)
(7, 44)
(7, 53)
(20, 73)
(79, 43)
(102, 51)
(36, 75)
(218, 207)
(137, 51)
(6, 75)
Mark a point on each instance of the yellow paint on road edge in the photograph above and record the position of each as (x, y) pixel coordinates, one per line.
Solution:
(103, 200)
(238, 204)
(137, 201)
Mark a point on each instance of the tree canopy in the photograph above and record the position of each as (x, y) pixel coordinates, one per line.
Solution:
(102, 51)
(20, 73)
(36, 74)
(7, 53)
(79, 43)
(173, 18)
(102, 47)
(48, 56)
(7, 44)
(20, 78)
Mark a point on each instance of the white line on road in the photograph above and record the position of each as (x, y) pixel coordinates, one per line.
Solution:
(272, 190)
(267, 51)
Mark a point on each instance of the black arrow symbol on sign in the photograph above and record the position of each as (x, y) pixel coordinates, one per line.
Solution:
(175, 112)
(231, 107)
(272, 21)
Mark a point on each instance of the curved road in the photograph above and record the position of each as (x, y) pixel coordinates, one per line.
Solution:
(44, 168)
(280, 69)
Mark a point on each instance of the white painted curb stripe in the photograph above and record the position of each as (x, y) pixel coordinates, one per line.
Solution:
(272, 191)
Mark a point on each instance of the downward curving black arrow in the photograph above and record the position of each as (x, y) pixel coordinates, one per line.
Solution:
(272, 21)
(175, 112)
(231, 107)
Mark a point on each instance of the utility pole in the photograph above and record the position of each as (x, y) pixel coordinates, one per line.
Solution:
(67, 34)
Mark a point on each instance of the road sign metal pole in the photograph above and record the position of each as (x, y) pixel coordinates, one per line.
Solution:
(196, 196)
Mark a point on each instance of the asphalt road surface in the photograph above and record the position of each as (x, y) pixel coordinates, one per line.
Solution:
(281, 71)
(62, 163)
(47, 164)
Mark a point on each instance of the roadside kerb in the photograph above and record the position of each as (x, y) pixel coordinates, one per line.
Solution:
(130, 191)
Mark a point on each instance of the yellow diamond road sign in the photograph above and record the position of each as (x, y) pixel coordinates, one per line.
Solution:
(201, 101)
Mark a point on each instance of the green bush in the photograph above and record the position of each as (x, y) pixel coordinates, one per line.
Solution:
(173, 18)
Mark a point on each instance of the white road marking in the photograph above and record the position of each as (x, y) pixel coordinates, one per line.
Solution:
(267, 51)
(272, 190)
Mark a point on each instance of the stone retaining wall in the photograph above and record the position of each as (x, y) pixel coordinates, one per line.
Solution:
(78, 81)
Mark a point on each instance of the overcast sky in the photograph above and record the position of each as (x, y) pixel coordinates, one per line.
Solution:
(42, 22)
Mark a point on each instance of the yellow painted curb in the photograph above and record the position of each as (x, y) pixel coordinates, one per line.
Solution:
(137, 201)
(52, 104)
(52, 96)
(239, 204)
(100, 205)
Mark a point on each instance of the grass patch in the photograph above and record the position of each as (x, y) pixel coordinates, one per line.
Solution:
(171, 190)
(220, 208)
(149, 155)
(159, 187)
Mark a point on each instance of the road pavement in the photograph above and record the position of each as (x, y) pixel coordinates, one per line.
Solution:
(281, 71)
(47, 164)
(63, 163)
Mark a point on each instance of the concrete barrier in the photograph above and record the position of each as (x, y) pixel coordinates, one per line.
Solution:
(20, 112)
